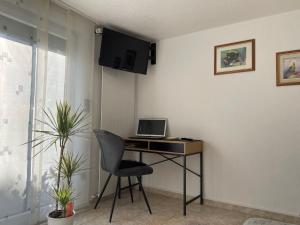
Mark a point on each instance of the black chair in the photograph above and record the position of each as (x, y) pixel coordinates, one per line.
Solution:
(112, 150)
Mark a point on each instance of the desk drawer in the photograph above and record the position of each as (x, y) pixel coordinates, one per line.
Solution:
(167, 147)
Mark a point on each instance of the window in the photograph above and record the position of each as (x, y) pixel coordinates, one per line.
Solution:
(17, 99)
(15, 95)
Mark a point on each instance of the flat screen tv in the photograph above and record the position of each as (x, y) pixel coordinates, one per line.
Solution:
(123, 52)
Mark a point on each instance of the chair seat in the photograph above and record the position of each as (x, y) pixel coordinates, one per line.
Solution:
(133, 168)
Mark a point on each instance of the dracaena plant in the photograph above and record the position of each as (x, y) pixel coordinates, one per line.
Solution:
(57, 130)
(71, 165)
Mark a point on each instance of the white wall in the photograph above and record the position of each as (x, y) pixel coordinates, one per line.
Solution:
(251, 128)
(117, 109)
(118, 96)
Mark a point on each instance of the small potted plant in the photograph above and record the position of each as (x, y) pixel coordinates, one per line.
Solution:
(58, 131)
(64, 216)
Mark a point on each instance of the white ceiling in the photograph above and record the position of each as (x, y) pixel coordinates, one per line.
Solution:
(160, 19)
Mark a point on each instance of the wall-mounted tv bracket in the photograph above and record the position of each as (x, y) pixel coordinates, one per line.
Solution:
(152, 53)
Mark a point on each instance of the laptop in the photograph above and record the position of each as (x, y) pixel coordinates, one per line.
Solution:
(151, 128)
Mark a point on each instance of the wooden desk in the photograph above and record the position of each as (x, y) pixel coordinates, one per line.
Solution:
(170, 150)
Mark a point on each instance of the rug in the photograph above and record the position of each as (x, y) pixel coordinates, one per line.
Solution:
(260, 221)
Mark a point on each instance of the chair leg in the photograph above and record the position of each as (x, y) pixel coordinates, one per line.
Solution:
(146, 200)
(119, 191)
(114, 201)
(130, 189)
(102, 191)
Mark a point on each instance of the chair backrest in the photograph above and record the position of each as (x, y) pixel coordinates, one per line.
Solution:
(112, 150)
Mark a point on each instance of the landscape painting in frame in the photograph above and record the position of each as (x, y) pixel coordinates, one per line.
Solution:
(235, 57)
(288, 68)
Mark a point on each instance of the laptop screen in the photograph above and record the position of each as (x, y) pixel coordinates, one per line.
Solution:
(151, 127)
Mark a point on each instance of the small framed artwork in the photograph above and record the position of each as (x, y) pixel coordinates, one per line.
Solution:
(288, 68)
(235, 57)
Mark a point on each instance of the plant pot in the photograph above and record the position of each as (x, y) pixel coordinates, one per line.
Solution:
(61, 221)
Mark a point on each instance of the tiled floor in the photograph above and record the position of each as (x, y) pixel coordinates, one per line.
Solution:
(166, 211)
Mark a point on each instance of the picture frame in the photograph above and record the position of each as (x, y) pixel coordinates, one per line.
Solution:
(288, 68)
(234, 57)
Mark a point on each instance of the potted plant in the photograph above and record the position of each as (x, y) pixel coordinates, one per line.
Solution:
(58, 131)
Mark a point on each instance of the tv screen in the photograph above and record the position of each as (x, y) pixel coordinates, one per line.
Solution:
(123, 52)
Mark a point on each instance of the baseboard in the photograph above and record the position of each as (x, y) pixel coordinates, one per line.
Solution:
(249, 211)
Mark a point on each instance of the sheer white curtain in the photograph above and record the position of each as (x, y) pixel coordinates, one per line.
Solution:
(46, 55)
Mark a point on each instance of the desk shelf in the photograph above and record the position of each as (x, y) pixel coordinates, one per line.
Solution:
(164, 146)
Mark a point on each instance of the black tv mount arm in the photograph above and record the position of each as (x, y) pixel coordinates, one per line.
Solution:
(152, 53)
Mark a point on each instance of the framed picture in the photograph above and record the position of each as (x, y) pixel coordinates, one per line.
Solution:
(235, 57)
(288, 68)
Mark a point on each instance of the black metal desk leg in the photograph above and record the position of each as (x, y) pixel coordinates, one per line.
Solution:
(201, 178)
(184, 185)
(141, 160)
